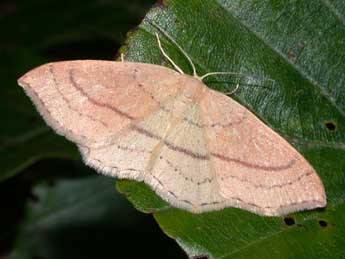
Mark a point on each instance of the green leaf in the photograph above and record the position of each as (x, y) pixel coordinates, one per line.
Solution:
(77, 29)
(297, 45)
(86, 218)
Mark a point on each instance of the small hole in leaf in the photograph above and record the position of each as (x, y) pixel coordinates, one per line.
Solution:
(289, 221)
(330, 125)
(323, 223)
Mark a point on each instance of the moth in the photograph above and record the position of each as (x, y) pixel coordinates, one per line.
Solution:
(197, 148)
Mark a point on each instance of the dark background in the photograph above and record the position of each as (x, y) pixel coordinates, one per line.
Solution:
(34, 32)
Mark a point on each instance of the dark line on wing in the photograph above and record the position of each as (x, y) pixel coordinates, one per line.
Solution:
(146, 132)
(171, 145)
(56, 86)
(189, 121)
(191, 179)
(42, 107)
(95, 102)
(186, 151)
(238, 199)
(255, 166)
(206, 157)
(133, 149)
(229, 124)
(269, 187)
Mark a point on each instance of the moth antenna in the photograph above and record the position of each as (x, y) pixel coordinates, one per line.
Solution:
(176, 44)
(219, 73)
(167, 57)
(233, 91)
(160, 29)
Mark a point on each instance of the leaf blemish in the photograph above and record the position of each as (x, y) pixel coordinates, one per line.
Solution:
(289, 221)
(323, 223)
(330, 125)
(291, 55)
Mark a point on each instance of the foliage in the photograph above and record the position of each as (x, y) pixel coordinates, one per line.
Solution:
(297, 45)
(300, 46)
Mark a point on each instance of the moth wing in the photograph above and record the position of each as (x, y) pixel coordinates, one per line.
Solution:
(90, 101)
(256, 169)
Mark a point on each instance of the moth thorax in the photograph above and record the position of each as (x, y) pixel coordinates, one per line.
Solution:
(194, 89)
